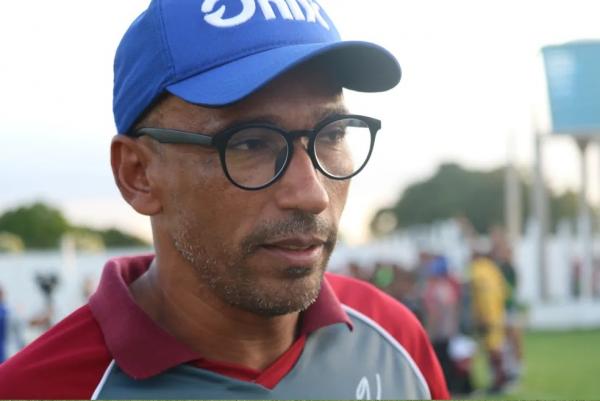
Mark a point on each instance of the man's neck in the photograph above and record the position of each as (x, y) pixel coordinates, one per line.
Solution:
(215, 330)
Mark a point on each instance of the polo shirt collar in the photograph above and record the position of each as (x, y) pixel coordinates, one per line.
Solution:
(143, 349)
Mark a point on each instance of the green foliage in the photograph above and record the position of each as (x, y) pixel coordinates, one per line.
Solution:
(111, 238)
(457, 192)
(115, 238)
(565, 205)
(39, 226)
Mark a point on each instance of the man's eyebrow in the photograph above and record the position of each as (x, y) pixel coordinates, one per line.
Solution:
(331, 111)
(274, 119)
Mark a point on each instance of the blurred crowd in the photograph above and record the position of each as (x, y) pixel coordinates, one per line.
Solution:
(16, 330)
(464, 314)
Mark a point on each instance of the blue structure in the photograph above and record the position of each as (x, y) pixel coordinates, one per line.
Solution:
(573, 78)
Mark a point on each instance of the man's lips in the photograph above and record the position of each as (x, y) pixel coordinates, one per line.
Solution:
(299, 251)
(295, 243)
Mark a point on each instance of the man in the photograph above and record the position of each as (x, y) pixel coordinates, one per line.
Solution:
(234, 139)
(512, 351)
(489, 293)
(11, 330)
(4, 316)
(441, 298)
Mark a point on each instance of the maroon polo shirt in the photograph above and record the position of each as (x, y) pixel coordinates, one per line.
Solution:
(69, 361)
(142, 349)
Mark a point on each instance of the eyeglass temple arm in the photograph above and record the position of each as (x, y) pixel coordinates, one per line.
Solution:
(164, 135)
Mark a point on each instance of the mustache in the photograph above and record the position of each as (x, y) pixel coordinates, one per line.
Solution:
(297, 223)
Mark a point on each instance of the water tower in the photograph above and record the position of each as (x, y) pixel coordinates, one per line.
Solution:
(573, 82)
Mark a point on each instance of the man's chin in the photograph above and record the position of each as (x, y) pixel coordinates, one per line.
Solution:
(291, 295)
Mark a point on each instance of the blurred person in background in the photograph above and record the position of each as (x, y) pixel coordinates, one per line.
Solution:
(358, 272)
(512, 355)
(400, 284)
(234, 138)
(11, 329)
(419, 276)
(384, 276)
(441, 301)
(47, 283)
(489, 292)
(404, 289)
(462, 350)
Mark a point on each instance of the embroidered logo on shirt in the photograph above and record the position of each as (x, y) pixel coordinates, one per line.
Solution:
(363, 390)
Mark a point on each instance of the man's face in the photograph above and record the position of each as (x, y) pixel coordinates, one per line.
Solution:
(262, 251)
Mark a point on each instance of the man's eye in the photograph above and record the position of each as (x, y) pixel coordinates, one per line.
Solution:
(333, 135)
(249, 144)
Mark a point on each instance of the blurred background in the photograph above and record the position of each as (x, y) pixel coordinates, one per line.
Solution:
(479, 209)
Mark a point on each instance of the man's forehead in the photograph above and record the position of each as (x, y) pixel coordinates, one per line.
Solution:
(305, 91)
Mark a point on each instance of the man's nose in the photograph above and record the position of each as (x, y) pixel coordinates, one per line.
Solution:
(301, 187)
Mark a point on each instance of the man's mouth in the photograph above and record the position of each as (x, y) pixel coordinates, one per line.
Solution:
(296, 251)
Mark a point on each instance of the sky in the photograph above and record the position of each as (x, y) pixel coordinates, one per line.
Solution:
(472, 84)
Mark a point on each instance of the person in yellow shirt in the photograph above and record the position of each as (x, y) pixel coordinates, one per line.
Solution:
(489, 293)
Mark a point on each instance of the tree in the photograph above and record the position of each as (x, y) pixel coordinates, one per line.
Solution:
(111, 238)
(38, 225)
(565, 206)
(41, 226)
(457, 192)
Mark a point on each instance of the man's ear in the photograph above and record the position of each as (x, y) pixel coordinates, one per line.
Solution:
(130, 160)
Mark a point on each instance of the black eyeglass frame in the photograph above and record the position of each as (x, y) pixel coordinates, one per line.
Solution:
(220, 140)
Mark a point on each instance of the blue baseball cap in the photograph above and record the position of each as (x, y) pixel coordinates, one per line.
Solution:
(217, 52)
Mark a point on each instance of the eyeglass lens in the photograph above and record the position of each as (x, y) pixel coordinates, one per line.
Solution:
(255, 156)
(342, 147)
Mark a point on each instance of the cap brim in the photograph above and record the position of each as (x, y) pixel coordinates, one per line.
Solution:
(359, 66)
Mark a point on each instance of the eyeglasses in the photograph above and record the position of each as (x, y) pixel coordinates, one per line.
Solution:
(255, 155)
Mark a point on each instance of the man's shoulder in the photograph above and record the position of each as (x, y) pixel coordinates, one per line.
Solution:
(65, 362)
(368, 302)
(365, 301)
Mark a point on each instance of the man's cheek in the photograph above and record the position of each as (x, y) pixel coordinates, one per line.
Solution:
(338, 194)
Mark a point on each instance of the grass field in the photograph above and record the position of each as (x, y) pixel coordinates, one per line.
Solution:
(558, 365)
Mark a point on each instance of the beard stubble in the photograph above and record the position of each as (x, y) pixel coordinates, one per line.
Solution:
(228, 273)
